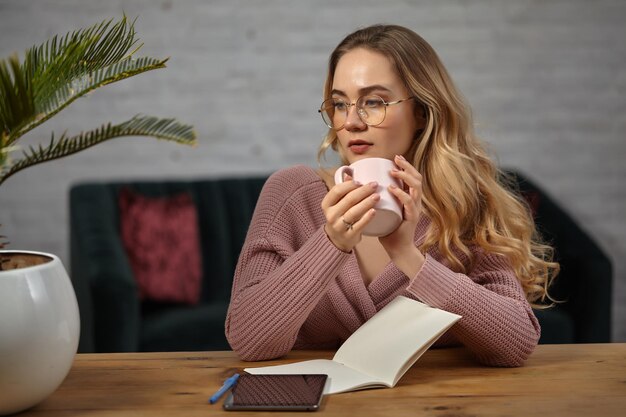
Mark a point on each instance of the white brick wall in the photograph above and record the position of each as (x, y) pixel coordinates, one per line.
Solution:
(547, 82)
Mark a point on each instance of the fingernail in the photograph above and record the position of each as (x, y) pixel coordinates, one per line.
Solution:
(357, 183)
(395, 169)
(400, 157)
(374, 184)
(393, 186)
(375, 197)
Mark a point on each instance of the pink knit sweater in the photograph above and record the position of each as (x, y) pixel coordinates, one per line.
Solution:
(293, 289)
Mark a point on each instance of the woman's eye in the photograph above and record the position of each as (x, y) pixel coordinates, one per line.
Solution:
(373, 103)
(340, 105)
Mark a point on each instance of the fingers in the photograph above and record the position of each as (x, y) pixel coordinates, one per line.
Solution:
(411, 197)
(345, 195)
(344, 234)
(353, 228)
(356, 212)
(348, 208)
(407, 173)
(404, 197)
(353, 206)
(356, 199)
(336, 193)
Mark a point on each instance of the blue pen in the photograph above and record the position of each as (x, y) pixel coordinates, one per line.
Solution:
(228, 384)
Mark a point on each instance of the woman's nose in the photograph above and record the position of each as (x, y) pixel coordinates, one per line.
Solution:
(353, 120)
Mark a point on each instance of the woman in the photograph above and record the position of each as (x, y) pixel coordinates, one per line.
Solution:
(307, 278)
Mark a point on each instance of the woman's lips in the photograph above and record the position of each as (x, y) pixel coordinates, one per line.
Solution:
(359, 146)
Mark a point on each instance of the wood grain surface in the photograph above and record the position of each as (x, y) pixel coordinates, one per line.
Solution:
(557, 380)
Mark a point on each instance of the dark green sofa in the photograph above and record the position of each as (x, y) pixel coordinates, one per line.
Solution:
(113, 319)
(584, 284)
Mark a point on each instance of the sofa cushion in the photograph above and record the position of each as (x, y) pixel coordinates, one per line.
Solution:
(161, 238)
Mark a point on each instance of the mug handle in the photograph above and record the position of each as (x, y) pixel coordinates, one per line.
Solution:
(341, 171)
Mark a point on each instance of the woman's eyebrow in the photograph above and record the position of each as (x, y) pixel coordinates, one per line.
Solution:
(371, 88)
(364, 90)
(338, 93)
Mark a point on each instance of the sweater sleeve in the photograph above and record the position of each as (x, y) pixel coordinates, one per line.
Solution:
(497, 322)
(281, 275)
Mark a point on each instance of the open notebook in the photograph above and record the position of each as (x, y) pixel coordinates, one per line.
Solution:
(380, 352)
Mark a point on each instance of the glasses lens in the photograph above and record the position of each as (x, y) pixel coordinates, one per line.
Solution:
(334, 113)
(371, 109)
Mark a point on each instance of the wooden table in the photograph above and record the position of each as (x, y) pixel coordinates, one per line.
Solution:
(557, 380)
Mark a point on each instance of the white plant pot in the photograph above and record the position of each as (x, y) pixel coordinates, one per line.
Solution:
(39, 330)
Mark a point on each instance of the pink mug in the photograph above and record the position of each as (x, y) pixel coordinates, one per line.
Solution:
(388, 209)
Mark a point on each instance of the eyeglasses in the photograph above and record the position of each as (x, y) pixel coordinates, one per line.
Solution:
(371, 110)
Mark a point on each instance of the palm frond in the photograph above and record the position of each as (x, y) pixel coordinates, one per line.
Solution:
(78, 53)
(166, 129)
(16, 103)
(68, 93)
(63, 69)
(32, 92)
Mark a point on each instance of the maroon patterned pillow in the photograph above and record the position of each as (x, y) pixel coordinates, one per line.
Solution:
(160, 235)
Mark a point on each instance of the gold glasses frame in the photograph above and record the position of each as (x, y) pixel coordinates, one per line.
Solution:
(361, 112)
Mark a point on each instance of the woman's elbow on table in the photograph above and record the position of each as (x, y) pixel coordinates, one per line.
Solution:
(509, 356)
(256, 348)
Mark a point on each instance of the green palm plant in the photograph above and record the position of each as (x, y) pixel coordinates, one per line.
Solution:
(63, 69)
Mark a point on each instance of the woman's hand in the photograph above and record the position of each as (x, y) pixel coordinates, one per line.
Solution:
(348, 208)
(400, 244)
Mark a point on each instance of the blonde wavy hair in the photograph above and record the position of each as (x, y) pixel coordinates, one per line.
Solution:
(469, 201)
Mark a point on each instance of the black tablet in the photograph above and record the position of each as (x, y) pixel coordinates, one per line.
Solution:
(277, 392)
